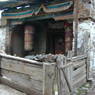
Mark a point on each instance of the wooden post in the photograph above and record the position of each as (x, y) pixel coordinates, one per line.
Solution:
(0, 66)
(8, 38)
(49, 75)
(87, 67)
(64, 87)
(75, 25)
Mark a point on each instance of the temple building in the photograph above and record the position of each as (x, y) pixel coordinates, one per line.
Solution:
(43, 27)
(44, 45)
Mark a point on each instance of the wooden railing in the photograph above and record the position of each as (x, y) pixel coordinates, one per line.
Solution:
(41, 78)
(25, 75)
(73, 74)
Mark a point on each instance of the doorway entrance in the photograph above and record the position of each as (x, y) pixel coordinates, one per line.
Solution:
(56, 41)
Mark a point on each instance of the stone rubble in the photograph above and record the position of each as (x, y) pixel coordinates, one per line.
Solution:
(43, 57)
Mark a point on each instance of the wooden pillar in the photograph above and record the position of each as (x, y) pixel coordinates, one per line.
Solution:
(8, 37)
(0, 68)
(75, 25)
(49, 76)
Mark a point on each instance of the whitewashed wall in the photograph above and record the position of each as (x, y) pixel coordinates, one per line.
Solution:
(86, 43)
(3, 31)
(2, 38)
(84, 29)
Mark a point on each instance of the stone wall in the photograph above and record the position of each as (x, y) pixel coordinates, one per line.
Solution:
(92, 9)
(83, 9)
(86, 8)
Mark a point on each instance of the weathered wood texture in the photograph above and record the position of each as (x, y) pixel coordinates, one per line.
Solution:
(73, 74)
(32, 78)
(77, 72)
(75, 25)
(49, 77)
(35, 78)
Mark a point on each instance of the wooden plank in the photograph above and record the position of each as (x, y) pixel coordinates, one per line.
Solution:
(64, 87)
(20, 88)
(79, 57)
(79, 63)
(75, 25)
(71, 63)
(0, 65)
(23, 80)
(79, 80)
(20, 59)
(64, 17)
(79, 75)
(33, 70)
(87, 68)
(10, 60)
(49, 77)
(69, 74)
(75, 78)
(79, 70)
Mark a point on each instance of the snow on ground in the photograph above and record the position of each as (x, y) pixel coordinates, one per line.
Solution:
(5, 90)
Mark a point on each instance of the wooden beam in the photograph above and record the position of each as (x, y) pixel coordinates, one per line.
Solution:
(0, 67)
(49, 76)
(75, 25)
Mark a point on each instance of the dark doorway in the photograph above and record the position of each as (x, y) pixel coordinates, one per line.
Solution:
(56, 41)
(17, 41)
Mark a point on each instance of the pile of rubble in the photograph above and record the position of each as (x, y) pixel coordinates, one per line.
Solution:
(43, 57)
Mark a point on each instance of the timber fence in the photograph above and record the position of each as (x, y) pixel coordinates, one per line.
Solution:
(44, 78)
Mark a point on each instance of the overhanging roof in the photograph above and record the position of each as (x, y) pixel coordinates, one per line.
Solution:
(10, 3)
(43, 11)
(36, 10)
(14, 3)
